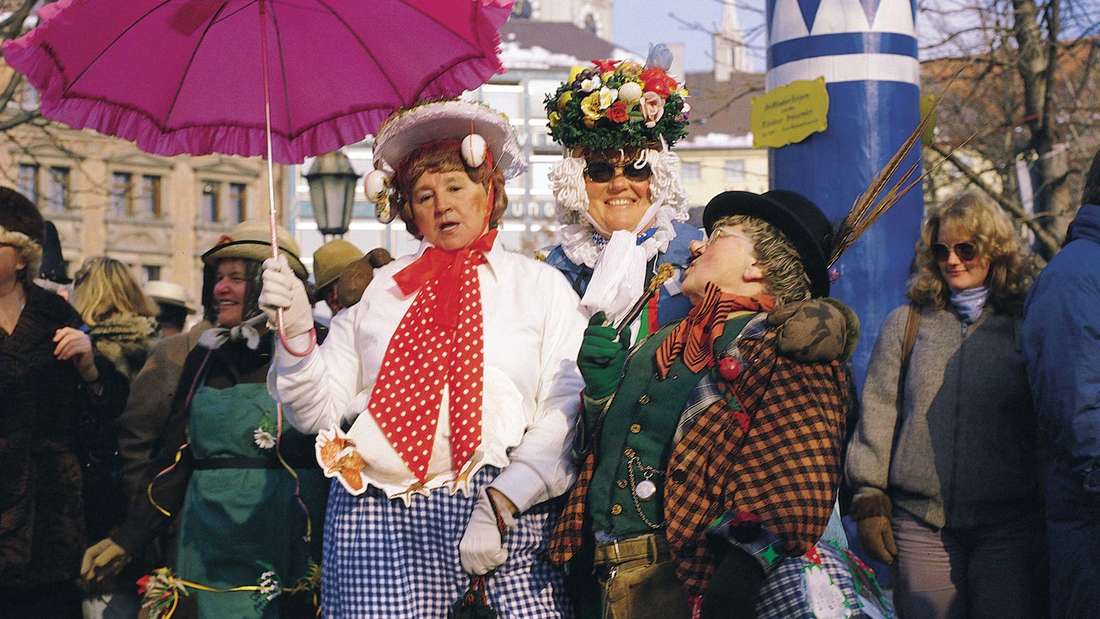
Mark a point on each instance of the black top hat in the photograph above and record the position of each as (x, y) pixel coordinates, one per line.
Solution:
(53, 261)
(798, 218)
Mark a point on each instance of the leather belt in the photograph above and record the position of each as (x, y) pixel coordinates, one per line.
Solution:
(648, 549)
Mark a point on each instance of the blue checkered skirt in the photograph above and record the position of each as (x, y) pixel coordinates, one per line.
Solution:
(382, 559)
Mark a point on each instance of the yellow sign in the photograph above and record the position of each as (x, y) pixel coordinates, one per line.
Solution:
(789, 114)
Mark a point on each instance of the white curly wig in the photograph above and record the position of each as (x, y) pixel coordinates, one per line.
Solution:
(666, 191)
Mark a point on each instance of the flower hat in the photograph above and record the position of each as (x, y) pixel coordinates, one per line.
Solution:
(619, 104)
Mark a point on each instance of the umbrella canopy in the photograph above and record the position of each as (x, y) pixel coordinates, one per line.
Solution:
(187, 76)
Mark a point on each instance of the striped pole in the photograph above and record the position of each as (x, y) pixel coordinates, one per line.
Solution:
(867, 52)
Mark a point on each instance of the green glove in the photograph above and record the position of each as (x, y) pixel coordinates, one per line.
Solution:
(602, 357)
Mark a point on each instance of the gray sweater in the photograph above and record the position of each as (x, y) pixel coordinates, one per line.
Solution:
(965, 452)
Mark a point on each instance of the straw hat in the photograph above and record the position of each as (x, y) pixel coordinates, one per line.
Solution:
(251, 240)
(169, 293)
(331, 259)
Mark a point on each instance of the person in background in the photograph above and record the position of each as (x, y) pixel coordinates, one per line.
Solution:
(53, 275)
(623, 207)
(1061, 342)
(49, 373)
(358, 275)
(247, 501)
(120, 317)
(944, 460)
(455, 377)
(329, 261)
(173, 306)
(122, 328)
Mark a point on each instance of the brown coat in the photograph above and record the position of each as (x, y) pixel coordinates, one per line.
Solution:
(41, 505)
(780, 460)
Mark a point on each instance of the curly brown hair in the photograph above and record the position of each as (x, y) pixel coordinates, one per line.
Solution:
(1012, 265)
(444, 156)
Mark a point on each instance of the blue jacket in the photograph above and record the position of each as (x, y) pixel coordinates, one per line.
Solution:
(669, 307)
(1061, 342)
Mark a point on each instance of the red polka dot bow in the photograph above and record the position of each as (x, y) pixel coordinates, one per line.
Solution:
(438, 343)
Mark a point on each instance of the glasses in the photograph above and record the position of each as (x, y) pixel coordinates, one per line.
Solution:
(965, 251)
(604, 171)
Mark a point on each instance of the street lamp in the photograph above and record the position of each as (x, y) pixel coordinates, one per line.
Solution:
(332, 192)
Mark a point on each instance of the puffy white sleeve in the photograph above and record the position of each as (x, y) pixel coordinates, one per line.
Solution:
(541, 467)
(316, 390)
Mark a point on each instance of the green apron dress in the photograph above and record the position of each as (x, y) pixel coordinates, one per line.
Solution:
(240, 518)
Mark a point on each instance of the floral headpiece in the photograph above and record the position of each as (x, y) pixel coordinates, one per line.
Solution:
(619, 104)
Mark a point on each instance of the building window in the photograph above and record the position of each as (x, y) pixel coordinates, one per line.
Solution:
(148, 202)
(210, 209)
(522, 9)
(591, 25)
(690, 171)
(504, 98)
(57, 189)
(152, 272)
(28, 181)
(735, 169)
(238, 202)
(121, 194)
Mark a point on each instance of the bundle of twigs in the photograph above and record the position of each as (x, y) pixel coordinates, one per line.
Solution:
(880, 195)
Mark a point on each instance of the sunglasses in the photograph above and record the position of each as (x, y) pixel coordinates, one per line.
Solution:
(965, 251)
(604, 171)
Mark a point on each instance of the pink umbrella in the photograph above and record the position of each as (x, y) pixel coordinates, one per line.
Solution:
(286, 79)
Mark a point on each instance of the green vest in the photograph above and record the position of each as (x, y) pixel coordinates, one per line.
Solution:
(636, 439)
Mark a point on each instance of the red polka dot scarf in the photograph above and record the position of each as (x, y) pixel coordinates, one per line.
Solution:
(438, 343)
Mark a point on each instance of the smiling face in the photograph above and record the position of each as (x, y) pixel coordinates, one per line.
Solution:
(618, 203)
(229, 289)
(958, 273)
(449, 209)
(728, 260)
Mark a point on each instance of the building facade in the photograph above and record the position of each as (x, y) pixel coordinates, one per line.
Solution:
(156, 214)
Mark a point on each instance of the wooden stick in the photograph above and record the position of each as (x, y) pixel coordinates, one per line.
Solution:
(664, 272)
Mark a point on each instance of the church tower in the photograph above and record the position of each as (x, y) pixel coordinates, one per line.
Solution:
(729, 45)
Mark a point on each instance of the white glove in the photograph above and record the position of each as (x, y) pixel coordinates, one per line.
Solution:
(481, 549)
(282, 289)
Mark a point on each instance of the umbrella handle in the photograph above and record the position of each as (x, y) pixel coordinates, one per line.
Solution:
(273, 224)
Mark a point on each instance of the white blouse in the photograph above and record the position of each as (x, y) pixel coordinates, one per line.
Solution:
(532, 332)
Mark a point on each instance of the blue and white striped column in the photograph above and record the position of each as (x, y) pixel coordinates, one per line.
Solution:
(867, 52)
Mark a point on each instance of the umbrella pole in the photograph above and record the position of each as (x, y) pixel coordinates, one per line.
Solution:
(273, 223)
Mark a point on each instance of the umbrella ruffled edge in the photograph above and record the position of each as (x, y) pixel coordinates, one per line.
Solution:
(34, 59)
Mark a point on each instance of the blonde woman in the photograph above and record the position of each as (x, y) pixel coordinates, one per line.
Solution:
(943, 459)
(120, 318)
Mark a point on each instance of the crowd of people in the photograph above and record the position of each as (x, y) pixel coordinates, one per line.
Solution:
(652, 420)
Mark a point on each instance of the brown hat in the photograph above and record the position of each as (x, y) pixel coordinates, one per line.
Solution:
(331, 259)
(358, 275)
(251, 240)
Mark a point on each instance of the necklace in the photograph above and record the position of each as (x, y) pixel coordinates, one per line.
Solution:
(643, 490)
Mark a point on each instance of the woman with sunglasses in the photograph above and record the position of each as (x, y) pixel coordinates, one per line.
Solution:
(944, 457)
(618, 188)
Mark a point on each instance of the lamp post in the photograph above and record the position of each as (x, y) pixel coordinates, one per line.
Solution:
(332, 192)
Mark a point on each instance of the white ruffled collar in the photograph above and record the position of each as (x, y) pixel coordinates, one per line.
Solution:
(581, 248)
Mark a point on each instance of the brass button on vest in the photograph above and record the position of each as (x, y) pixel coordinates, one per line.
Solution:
(635, 428)
(621, 483)
(644, 399)
(616, 509)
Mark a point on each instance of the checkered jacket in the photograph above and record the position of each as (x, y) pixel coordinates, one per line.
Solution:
(779, 457)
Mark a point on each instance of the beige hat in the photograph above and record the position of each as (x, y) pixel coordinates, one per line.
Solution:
(169, 293)
(251, 240)
(331, 259)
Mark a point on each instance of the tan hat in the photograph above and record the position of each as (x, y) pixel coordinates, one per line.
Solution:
(251, 240)
(169, 293)
(331, 259)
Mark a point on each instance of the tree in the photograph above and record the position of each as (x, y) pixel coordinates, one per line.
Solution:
(1027, 92)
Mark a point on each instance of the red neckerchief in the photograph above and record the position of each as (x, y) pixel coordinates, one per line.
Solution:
(695, 335)
(438, 343)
